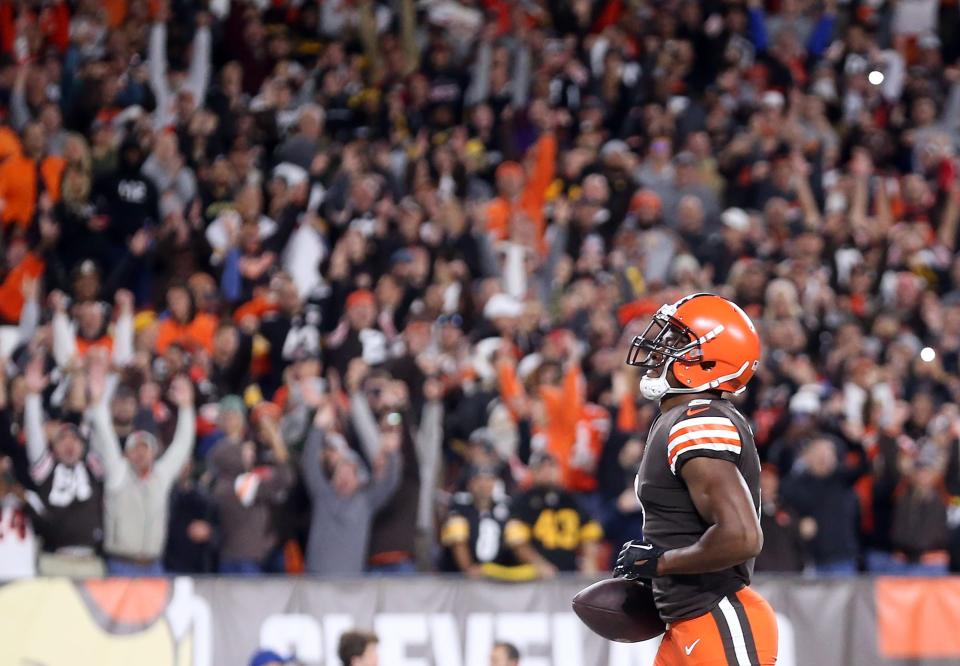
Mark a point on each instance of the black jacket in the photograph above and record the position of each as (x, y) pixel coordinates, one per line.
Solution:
(833, 504)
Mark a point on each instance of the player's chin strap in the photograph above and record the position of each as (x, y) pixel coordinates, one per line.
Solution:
(654, 388)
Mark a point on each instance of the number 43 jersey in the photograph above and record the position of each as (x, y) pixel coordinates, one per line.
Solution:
(552, 520)
(698, 428)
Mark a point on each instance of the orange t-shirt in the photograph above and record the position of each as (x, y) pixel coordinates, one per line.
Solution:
(52, 171)
(533, 197)
(11, 296)
(18, 186)
(84, 345)
(255, 307)
(574, 430)
(592, 430)
(116, 11)
(627, 417)
(196, 333)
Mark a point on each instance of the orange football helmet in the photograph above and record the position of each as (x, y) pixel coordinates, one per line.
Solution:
(708, 341)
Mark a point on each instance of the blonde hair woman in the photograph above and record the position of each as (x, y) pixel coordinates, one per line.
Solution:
(77, 179)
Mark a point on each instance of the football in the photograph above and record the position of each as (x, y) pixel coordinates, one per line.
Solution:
(619, 610)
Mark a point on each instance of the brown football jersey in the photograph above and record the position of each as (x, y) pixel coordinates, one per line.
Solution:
(698, 428)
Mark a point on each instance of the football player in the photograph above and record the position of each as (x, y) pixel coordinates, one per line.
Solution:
(699, 487)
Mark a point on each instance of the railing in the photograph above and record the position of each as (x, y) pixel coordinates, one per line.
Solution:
(442, 621)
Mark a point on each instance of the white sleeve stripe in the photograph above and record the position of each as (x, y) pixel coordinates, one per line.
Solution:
(706, 428)
(698, 447)
(703, 434)
(702, 421)
(704, 444)
(41, 470)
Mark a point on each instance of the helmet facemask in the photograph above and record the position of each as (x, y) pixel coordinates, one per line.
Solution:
(664, 341)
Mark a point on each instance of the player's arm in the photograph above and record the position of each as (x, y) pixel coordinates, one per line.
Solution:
(723, 500)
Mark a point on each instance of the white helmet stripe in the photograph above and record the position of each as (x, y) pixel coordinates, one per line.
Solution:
(714, 383)
(711, 334)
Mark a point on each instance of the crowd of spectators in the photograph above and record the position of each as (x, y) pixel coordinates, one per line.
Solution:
(346, 286)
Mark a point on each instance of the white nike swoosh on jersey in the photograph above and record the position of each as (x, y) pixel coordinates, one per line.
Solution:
(688, 649)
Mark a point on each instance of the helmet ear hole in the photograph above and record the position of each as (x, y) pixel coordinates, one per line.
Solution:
(708, 365)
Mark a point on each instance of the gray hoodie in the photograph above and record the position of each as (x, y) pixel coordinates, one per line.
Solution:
(340, 526)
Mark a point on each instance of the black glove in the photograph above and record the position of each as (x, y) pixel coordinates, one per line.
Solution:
(637, 559)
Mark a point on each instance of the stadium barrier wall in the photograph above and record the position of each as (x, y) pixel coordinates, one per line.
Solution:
(439, 621)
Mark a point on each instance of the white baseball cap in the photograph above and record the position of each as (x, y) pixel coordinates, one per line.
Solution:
(502, 305)
(735, 218)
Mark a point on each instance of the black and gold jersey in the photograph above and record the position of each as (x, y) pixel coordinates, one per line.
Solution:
(709, 428)
(483, 531)
(552, 520)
